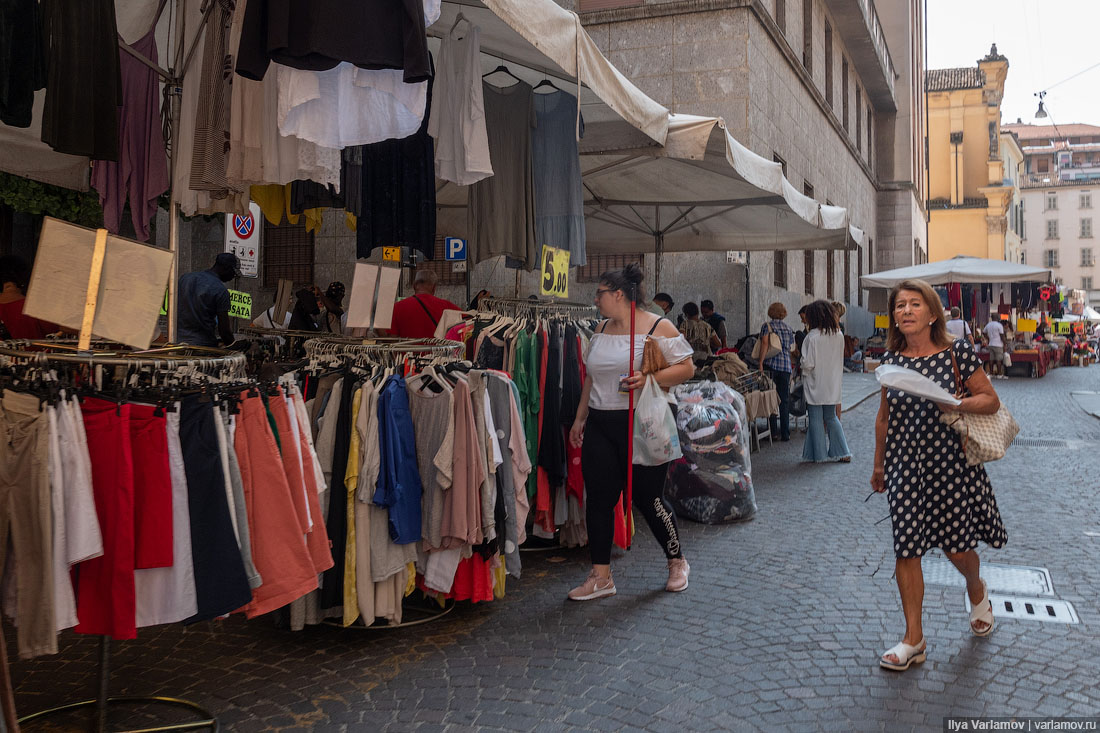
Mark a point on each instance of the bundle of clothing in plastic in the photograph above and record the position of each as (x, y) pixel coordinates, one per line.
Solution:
(712, 482)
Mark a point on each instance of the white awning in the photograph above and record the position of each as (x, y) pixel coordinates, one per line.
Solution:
(703, 191)
(960, 269)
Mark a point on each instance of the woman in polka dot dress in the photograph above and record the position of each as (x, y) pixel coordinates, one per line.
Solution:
(936, 499)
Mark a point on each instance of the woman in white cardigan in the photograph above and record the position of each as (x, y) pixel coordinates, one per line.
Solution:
(822, 369)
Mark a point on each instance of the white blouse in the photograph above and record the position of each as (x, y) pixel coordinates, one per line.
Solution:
(607, 362)
(822, 366)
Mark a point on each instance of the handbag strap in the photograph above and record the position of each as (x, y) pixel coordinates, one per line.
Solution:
(958, 388)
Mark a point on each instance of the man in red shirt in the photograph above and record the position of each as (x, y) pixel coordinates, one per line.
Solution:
(14, 276)
(419, 314)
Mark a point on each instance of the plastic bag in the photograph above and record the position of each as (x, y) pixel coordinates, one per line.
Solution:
(914, 383)
(712, 483)
(656, 440)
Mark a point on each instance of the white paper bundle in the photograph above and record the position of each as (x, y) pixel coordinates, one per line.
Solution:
(914, 383)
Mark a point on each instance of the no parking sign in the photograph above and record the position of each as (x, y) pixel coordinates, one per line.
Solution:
(242, 238)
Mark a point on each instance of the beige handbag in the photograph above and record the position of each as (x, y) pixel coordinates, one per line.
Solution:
(775, 345)
(984, 437)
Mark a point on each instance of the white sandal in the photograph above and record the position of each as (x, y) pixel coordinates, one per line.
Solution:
(983, 613)
(907, 656)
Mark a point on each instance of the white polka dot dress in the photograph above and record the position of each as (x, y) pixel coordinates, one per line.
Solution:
(936, 499)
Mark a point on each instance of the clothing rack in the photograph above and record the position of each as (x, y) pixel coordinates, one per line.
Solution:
(517, 307)
(206, 360)
(383, 349)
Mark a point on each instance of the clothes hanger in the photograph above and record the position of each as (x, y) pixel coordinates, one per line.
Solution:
(458, 20)
(502, 69)
(546, 83)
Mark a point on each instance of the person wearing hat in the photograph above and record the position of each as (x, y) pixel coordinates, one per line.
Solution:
(334, 317)
(203, 304)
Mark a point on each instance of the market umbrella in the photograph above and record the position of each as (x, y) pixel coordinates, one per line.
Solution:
(960, 269)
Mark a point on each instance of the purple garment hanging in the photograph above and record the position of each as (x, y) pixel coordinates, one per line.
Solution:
(141, 173)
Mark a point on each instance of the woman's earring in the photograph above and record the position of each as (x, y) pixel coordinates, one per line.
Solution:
(931, 323)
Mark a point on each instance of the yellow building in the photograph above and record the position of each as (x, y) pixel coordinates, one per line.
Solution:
(968, 199)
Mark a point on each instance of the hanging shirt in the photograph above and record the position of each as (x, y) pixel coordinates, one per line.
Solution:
(501, 211)
(22, 65)
(319, 34)
(399, 486)
(559, 198)
(458, 112)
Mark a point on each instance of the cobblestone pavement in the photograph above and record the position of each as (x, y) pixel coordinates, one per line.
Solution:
(780, 629)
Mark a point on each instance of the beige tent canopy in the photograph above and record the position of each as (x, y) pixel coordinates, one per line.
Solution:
(960, 269)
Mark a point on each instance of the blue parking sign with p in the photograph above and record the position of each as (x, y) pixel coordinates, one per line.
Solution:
(455, 249)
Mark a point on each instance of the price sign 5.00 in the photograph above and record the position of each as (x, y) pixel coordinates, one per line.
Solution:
(555, 272)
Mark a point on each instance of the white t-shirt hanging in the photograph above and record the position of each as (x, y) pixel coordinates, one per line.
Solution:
(457, 117)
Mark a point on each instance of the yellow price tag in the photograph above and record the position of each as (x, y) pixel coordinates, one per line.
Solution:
(1062, 327)
(555, 272)
(240, 305)
(1026, 325)
(882, 321)
(391, 254)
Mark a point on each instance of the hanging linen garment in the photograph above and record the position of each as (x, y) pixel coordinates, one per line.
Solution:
(167, 595)
(234, 494)
(462, 504)
(348, 106)
(22, 64)
(501, 213)
(559, 197)
(398, 193)
(458, 112)
(208, 157)
(83, 86)
(141, 174)
(319, 34)
(433, 426)
(25, 524)
(399, 487)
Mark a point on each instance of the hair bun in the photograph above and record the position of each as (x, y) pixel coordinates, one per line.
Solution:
(633, 273)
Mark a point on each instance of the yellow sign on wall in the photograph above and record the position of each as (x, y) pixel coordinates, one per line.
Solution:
(882, 321)
(555, 272)
(391, 254)
(240, 305)
(1026, 325)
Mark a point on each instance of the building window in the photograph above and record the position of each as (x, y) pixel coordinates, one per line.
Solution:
(828, 63)
(844, 92)
(830, 274)
(598, 264)
(1023, 256)
(1086, 282)
(847, 276)
(869, 120)
(808, 35)
(808, 265)
(1087, 260)
(287, 255)
(808, 188)
(859, 126)
(781, 15)
(779, 278)
(588, 6)
(859, 275)
(1086, 200)
(870, 255)
(443, 269)
(1052, 228)
(1050, 258)
(777, 158)
(1086, 229)
(1052, 201)
(1042, 165)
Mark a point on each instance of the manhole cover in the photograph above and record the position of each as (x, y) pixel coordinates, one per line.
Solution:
(1004, 578)
(1040, 443)
(1032, 609)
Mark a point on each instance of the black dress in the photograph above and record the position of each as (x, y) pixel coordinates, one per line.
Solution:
(936, 498)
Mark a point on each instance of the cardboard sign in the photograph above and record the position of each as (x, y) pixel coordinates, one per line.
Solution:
(373, 293)
(555, 272)
(240, 305)
(131, 286)
(1026, 325)
(882, 321)
(242, 238)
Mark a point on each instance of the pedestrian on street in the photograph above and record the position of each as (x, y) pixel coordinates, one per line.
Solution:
(778, 367)
(936, 499)
(698, 333)
(716, 321)
(203, 304)
(958, 328)
(601, 430)
(995, 333)
(822, 371)
(662, 303)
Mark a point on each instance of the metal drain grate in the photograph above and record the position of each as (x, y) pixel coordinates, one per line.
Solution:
(1032, 609)
(1004, 578)
(1040, 443)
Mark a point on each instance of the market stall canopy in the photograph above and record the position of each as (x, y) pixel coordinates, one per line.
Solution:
(703, 190)
(960, 269)
(1088, 314)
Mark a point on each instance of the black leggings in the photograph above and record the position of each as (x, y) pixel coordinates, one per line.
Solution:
(603, 460)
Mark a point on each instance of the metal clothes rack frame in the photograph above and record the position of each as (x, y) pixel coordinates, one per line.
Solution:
(520, 307)
(205, 360)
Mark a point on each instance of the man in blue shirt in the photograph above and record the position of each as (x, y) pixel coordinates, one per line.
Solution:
(717, 322)
(203, 303)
